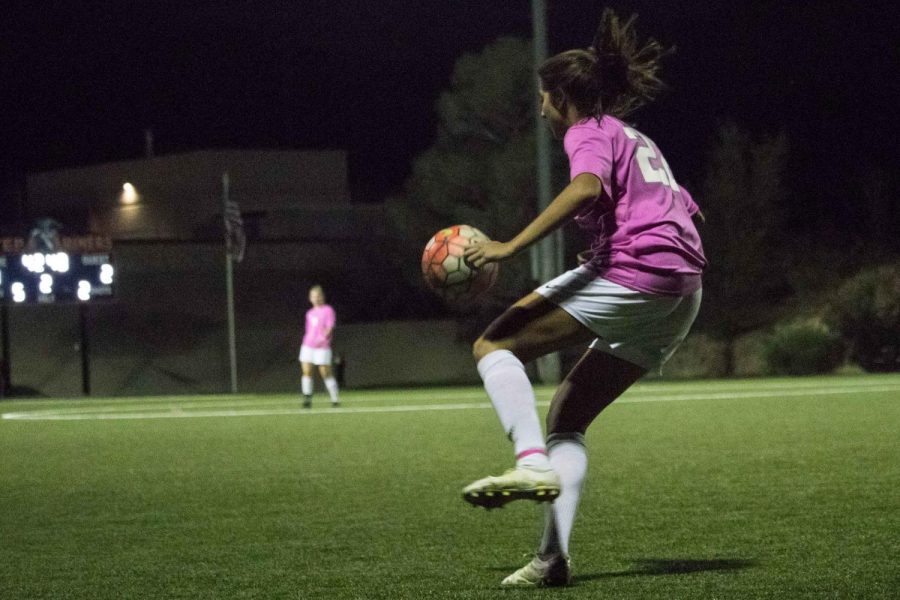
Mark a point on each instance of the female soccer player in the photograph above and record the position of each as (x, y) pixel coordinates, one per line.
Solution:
(636, 295)
(316, 347)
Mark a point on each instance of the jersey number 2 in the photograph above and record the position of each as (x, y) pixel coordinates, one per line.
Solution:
(645, 153)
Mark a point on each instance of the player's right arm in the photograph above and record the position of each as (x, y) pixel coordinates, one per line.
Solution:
(581, 190)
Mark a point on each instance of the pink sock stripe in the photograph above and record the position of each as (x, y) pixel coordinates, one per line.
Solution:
(529, 452)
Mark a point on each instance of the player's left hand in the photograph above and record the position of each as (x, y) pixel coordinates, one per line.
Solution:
(479, 253)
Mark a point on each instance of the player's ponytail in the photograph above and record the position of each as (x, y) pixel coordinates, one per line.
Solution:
(614, 76)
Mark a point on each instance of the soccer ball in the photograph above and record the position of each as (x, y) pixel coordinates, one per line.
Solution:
(446, 271)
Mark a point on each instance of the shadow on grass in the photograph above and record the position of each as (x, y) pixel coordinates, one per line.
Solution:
(673, 566)
(663, 566)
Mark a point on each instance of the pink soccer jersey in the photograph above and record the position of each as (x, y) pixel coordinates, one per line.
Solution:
(643, 236)
(319, 323)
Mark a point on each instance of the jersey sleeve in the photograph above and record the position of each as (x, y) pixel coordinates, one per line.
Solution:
(692, 207)
(589, 151)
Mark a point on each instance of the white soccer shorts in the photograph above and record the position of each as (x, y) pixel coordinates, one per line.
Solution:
(644, 329)
(316, 356)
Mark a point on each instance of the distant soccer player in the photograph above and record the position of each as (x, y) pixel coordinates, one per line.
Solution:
(635, 297)
(316, 347)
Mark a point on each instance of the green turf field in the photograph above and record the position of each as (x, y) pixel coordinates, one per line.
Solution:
(784, 488)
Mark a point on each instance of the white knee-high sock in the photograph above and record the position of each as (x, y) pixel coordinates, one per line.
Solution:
(568, 457)
(511, 394)
(306, 385)
(331, 385)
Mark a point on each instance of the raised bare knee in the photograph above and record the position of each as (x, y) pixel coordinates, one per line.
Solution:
(482, 347)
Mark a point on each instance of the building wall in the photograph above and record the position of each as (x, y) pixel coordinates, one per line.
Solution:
(129, 357)
(179, 193)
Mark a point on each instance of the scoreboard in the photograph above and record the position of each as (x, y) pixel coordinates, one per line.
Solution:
(70, 272)
(39, 278)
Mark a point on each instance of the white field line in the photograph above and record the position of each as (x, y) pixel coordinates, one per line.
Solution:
(186, 411)
(115, 405)
(226, 403)
(221, 401)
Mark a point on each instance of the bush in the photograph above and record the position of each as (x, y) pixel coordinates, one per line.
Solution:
(805, 347)
(866, 313)
(699, 357)
(748, 354)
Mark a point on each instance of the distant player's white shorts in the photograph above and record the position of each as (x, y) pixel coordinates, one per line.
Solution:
(316, 356)
(644, 329)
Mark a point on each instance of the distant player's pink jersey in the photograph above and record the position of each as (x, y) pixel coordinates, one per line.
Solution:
(319, 322)
(643, 236)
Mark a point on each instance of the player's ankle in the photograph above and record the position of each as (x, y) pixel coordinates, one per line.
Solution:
(533, 458)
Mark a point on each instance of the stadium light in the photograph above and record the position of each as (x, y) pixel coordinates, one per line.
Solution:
(129, 194)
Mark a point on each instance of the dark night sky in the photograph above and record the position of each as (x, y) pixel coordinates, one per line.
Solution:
(80, 81)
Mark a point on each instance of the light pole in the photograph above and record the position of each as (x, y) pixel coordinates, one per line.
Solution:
(546, 255)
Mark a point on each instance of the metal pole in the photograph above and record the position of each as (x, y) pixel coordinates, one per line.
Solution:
(85, 349)
(5, 383)
(229, 291)
(547, 256)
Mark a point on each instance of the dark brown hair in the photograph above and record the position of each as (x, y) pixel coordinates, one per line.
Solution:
(614, 76)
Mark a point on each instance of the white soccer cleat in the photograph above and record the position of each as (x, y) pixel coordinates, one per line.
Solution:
(520, 483)
(552, 571)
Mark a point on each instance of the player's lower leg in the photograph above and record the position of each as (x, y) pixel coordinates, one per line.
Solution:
(513, 398)
(551, 565)
(581, 396)
(331, 385)
(568, 456)
(306, 387)
(530, 328)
